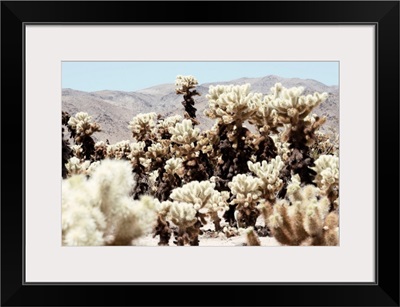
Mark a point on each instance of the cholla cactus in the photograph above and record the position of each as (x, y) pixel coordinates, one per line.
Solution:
(142, 126)
(290, 105)
(138, 156)
(269, 175)
(327, 178)
(66, 150)
(184, 215)
(325, 144)
(184, 133)
(304, 219)
(247, 194)
(265, 118)
(82, 127)
(184, 84)
(77, 151)
(184, 145)
(163, 125)
(282, 148)
(126, 219)
(100, 210)
(158, 152)
(141, 164)
(196, 193)
(228, 172)
(205, 199)
(193, 203)
(100, 151)
(293, 112)
(170, 177)
(75, 166)
(174, 166)
(252, 238)
(216, 206)
(162, 228)
(120, 150)
(232, 104)
(208, 140)
(83, 223)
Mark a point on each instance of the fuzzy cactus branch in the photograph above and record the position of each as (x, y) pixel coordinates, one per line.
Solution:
(327, 178)
(82, 127)
(247, 194)
(269, 174)
(302, 219)
(184, 84)
(142, 126)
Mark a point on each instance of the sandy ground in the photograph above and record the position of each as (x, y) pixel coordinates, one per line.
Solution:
(211, 238)
(207, 240)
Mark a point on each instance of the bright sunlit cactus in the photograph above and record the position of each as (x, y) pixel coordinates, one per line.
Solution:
(142, 125)
(232, 103)
(269, 175)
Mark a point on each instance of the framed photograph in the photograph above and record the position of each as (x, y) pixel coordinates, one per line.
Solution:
(242, 153)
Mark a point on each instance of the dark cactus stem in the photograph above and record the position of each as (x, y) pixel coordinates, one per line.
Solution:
(266, 149)
(66, 150)
(180, 237)
(65, 118)
(247, 217)
(299, 161)
(166, 183)
(142, 185)
(229, 215)
(163, 230)
(194, 170)
(194, 233)
(66, 154)
(189, 102)
(99, 154)
(233, 160)
(209, 168)
(88, 148)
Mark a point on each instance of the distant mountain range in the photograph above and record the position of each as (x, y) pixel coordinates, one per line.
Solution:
(113, 110)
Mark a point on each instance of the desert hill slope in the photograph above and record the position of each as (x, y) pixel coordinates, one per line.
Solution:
(113, 110)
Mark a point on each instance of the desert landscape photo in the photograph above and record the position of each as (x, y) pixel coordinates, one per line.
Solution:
(200, 154)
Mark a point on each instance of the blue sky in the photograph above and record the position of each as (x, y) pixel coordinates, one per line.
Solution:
(132, 76)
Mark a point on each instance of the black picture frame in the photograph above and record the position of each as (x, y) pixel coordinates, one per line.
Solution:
(383, 14)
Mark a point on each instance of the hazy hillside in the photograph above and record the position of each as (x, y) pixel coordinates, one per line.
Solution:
(114, 109)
